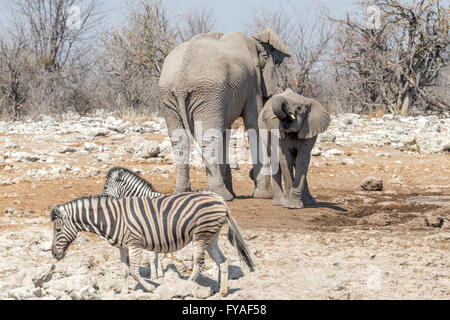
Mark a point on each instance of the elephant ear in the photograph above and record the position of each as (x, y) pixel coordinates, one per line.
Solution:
(270, 37)
(316, 121)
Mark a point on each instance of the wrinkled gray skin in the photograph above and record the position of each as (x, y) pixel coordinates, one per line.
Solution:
(214, 78)
(299, 120)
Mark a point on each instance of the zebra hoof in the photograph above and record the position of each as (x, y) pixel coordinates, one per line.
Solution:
(224, 292)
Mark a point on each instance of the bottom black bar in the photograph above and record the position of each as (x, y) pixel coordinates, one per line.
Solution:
(223, 309)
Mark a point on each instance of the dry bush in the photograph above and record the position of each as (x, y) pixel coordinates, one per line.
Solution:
(13, 88)
(43, 56)
(307, 37)
(133, 56)
(396, 66)
(194, 22)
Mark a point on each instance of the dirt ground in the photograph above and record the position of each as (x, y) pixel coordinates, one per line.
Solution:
(335, 187)
(354, 244)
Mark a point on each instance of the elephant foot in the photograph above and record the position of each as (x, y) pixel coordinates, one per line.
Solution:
(293, 203)
(230, 189)
(279, 201)
(183, 189)
(223, 192)
(311, 200)
(262, 193)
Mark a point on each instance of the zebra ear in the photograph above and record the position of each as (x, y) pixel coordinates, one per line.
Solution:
(56, 213)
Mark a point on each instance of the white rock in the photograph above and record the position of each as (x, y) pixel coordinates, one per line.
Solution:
(98, 132)
(327, 137)
(144, 149)
(165, 148)
(436, 128)
(9, 144)
(21, 293)
(383, 155)
(5, 182)
(348, 161)
(117, 137)
(66, 149)
(24, 157)
(75, 283)
(104, 158)
(91, 147)
(178, 288)
(333, 152)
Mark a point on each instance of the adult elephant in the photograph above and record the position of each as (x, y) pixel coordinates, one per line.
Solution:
(208, 82)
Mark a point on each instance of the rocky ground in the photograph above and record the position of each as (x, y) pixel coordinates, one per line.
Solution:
(356, 243)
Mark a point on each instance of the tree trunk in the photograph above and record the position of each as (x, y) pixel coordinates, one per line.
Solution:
(406, 103)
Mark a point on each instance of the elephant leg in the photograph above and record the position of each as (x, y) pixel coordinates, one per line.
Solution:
(279, 198)
(297, 191)
(225, 167)
(181, 144)
(287, 166)
(260, 174)
(307, 198)
(212, 152)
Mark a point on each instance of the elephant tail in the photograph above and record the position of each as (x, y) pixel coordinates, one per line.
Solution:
(183, 109)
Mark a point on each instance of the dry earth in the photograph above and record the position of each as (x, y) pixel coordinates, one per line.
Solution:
(354, 244)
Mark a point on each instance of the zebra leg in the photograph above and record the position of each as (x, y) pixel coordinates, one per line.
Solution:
(126, 269)
(199, 259)
(218, 257)
(155, 266)
(135, 261)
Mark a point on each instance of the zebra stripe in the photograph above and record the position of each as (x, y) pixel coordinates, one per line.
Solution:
(163, 224)
(121, 183)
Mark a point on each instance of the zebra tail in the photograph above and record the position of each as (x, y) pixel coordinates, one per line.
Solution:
(235, 238)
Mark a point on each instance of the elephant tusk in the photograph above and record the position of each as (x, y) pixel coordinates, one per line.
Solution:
(292, 116)
(274, 117)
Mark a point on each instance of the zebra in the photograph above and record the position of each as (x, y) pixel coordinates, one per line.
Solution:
(164, 224)
(120, 183)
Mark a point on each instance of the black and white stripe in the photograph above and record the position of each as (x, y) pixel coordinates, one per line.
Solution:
(120, 183)
(163, 224)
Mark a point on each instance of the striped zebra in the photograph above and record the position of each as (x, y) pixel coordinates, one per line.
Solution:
(164, 224)
(120, 183)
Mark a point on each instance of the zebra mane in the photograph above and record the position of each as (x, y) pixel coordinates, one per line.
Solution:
(58, 210)
(124, 171)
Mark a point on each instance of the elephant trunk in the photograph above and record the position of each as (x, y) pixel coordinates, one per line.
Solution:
(279, 107)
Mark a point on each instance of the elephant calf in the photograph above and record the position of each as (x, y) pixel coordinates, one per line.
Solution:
(295, 121)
